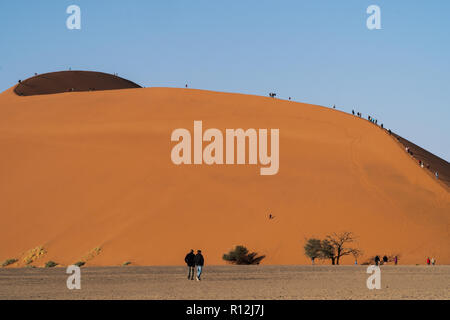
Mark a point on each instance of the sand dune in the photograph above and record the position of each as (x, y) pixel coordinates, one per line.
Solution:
(88, 176)
(431, 161)
(65, 81)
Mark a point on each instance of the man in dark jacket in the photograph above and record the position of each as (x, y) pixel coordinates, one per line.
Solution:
(377, 260)
(190, 261)
(199, 262)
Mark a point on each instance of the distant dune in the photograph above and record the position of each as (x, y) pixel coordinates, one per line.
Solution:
(88, 176)
(70, 81)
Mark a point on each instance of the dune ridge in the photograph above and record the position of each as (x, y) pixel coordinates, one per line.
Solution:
(84, 170)
(70, 81)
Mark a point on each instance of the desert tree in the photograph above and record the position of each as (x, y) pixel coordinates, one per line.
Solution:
(328, 251)
(337, 245)
(356, 254)
(241, 255)
(313, 249)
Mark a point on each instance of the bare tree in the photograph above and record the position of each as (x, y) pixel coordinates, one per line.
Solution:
(336, 245)
(356, 254)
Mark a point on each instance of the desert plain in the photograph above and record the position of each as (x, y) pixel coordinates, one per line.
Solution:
(228, 282)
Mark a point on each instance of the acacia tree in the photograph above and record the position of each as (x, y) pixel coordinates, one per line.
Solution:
(328, 251)
(313, 249)
(335, 246)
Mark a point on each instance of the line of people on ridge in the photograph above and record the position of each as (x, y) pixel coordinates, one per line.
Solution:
(421, 163)
(374, 121)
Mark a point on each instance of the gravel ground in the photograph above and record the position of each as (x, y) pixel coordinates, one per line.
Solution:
(228, 282)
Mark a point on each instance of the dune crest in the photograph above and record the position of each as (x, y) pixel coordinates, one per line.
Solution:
(71, 81)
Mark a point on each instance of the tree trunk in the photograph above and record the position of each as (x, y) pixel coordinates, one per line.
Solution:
(332, 261)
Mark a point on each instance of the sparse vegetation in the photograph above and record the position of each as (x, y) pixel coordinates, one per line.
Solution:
(369, 261)
(333, 247)
(92, 254)
(34, 254)
(338, 242)
(240, 255)
(50, 264)
(7, 262)
(313, 248)
(356, 254)
(126, 263)
(80, 263)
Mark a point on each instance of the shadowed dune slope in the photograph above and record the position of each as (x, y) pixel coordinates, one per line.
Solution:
(435, 163)
(88, 176)
(65, 81)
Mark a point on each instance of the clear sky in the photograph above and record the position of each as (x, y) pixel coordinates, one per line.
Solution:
(315, 51)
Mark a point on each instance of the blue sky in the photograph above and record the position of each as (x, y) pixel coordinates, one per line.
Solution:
(315, 51)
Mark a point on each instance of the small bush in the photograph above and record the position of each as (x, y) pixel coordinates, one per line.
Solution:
(51, 264)
(80, 263)
(240, 255)
(8, 262)
(126, 263)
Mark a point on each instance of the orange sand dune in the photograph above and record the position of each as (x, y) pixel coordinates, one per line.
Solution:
(88, 170)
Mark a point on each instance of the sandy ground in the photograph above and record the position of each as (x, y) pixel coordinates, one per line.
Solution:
(228, 282)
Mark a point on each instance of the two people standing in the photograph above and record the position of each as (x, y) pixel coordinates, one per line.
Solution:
(194, 261)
